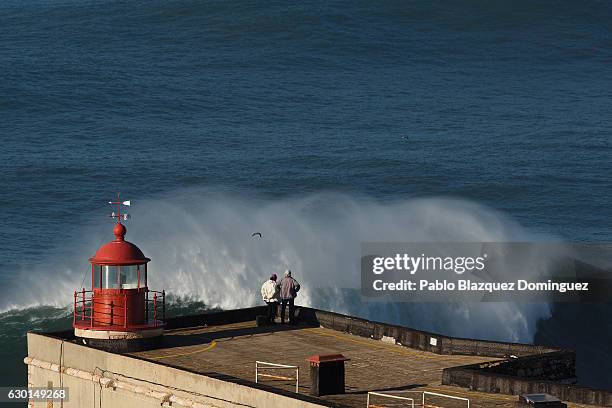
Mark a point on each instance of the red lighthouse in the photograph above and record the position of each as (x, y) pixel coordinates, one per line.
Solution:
(119, 312)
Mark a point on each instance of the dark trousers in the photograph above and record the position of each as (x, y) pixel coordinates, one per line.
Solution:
(284, 304)
(271, 311)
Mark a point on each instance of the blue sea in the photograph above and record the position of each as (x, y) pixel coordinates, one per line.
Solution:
(319, 124)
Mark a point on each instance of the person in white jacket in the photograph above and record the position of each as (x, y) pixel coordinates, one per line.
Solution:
(269, 293)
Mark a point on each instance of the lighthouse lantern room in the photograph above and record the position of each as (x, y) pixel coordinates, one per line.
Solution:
(119, 312)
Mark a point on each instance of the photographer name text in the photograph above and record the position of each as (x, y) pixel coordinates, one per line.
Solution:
(466, 285)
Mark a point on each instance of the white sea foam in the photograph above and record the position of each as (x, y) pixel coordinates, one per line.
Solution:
(201, 248)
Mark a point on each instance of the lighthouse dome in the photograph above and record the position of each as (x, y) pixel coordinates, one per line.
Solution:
(119, 251)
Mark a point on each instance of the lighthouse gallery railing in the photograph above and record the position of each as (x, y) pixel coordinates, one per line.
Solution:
(83, 309)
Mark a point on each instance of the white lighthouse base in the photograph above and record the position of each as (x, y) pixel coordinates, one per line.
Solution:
(118, 335)
(121, 341)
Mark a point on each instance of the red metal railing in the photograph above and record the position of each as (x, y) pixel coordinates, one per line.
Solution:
(84, 313)
(157, 297)
(86, 305)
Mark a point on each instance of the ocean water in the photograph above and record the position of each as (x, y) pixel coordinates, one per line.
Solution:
(321, 124)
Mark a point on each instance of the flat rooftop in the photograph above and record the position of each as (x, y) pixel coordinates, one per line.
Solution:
(229, 351)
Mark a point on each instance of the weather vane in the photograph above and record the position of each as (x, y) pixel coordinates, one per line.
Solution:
(119, 203)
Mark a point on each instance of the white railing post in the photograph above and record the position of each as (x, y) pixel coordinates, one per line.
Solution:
(273, 366)
(445, 396)
(390, 395)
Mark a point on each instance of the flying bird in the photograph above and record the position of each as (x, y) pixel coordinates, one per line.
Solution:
(256, 233)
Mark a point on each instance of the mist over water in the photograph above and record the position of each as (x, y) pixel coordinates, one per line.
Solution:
(202, 249)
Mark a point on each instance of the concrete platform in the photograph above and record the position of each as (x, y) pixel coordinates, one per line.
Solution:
(208, 361)
(229, 351)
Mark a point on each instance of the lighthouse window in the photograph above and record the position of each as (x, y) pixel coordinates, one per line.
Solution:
(120, 277)
(129, 276)
(97, 277)
(110, 277)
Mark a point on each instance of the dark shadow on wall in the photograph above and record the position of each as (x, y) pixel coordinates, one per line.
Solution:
(587, 329)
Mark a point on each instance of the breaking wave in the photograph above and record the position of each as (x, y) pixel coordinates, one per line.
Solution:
(202, 251)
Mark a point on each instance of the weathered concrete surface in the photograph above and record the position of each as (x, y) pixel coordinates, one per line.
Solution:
(210, 357)
(230, 351)
(557, 365)
(528, 375)
(536, 369)
(418, 339)
(163, 379)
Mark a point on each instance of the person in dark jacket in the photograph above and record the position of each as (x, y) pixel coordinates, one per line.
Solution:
(289, 288)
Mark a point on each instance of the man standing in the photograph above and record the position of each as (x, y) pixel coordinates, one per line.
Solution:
(289, 288)
(269, 293)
